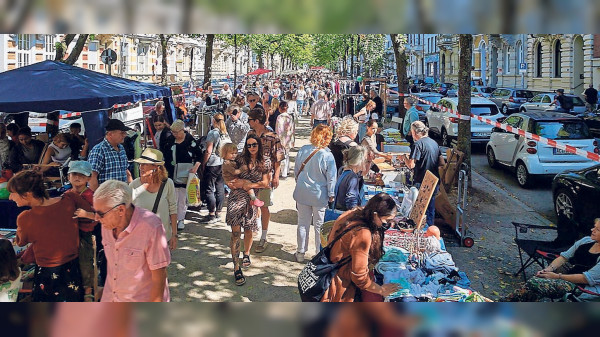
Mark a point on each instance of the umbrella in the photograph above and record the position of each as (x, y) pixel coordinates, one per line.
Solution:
(259, 71)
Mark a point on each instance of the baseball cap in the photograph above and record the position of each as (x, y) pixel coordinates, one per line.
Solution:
(562, 91)
(81, 166)
(115, 124)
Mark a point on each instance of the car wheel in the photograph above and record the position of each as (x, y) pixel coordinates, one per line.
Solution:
(523, 177)
(491, 157)
(445, 138)
(504, 110)
(523, 110)
(564, 205)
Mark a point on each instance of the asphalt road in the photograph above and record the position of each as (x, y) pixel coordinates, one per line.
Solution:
(538, 197)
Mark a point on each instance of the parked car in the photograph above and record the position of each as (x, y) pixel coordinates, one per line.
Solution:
(445, 124)
(392, 98)
(509, 100)
(576, 194)
(446, 89)
(481, 91)
(592, 120)
(530, 158)
(543, 102)
(423, 107)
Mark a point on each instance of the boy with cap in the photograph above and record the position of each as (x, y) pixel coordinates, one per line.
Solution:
(80, 173)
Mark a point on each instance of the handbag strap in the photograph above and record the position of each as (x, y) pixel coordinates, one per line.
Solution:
(342, 234)
(306, 161)
(160, 191)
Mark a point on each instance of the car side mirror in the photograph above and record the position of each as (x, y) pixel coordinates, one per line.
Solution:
(434, 109)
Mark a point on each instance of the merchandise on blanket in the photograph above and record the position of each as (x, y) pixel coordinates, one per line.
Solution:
(458, 278)
(450, 293)
(439, 261)
(413, 242)
(477, 297)
(394, 254)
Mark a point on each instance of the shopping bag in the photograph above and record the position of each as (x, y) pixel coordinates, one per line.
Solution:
(332, 214)
(193, 190)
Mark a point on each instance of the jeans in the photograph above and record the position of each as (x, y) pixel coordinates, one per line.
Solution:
(181, 203)
(300, 104)
(319, 121)
(214, 187)
(306, 215)
(362, 130)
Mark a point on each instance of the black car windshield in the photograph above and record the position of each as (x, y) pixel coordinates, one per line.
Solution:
(562, 130)
(487, 90)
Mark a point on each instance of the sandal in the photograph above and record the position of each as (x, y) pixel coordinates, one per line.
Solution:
(89, 298)
(246, 261)
(239, 277)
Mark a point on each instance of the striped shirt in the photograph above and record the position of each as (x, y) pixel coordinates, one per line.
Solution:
(109, 163)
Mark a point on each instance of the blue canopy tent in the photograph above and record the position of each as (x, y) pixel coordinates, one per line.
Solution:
(50, 86)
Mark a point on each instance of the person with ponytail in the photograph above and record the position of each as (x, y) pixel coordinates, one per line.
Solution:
(52, 228)
(364, 243)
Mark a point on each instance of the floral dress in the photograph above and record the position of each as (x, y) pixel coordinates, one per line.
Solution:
(240, 211)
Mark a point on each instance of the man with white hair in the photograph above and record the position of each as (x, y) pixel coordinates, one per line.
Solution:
(226, 93)
(320, 112)
(135, 246)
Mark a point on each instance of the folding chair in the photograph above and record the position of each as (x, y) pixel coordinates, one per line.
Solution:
(538, 252)
(582, 295)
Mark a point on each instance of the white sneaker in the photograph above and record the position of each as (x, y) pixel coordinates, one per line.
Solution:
(180, 224)
(299, 257)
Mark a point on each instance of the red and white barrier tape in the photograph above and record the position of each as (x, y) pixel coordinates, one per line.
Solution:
(552, 143)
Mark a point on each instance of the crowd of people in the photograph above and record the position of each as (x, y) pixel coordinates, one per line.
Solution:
(240, 163)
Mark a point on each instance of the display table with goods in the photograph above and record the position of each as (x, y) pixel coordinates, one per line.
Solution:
(415, 258)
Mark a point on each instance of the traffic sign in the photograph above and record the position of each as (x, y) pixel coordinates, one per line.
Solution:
(522, 67)
(108, 56)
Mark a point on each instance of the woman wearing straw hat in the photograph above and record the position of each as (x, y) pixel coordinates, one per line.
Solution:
(155, 191)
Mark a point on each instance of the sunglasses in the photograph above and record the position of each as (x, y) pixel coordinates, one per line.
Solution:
(251, 145)
(103, 214)
(252, 100)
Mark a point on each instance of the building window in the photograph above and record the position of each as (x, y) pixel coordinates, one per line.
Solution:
(23, 49)
(507, 60)
(556, 58)
(93, 46)
(538, 60)
(49, 43)
(92, 67)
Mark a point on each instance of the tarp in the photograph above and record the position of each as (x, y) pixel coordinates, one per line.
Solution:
(51, 86)
(259, 71)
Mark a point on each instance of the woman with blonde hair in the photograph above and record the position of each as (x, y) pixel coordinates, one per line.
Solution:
(273, 113)
(212, 168)
(316, 174)
(58, 153)
(155, 191)
(363, 116)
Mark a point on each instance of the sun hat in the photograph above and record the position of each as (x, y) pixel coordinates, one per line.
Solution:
(81, 166)
(151, 156)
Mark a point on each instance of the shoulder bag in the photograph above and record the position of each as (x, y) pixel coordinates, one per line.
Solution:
(182, 170)
(158, 195)
(306, 161)
(316, 276)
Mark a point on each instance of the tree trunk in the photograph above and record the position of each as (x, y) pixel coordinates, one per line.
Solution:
(235, 58)
(351, 58)
(81, 40)
(464, 98)
(191, 64)
(61, 48)
(400, 56)
(163, 45)
(261, 63)
(358, 55)
(208, 58)
(248, 65)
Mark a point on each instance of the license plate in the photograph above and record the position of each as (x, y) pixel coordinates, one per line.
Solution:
(481, 134)
(560, 152)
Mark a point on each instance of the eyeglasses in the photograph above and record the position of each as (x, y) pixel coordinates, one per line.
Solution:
(251, 145)
(252, 100)
(103, 214)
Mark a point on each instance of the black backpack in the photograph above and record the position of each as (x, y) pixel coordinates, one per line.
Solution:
(567, 103)
(316, 276)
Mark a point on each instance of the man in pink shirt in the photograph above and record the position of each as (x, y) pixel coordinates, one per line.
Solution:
(320, 112)
(135, 246)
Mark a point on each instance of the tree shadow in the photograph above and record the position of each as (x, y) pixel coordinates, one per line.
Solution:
(285, 216)
(202, 269)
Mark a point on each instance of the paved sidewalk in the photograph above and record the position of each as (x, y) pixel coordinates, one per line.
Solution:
(202, 269)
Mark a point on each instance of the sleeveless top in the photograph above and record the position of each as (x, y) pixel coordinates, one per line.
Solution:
(583, 260)
(60, 155)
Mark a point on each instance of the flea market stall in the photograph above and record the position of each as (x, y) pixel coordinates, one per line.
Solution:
(51, 86)
(415, 258)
